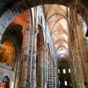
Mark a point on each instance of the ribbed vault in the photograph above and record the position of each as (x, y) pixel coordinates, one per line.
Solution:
(56, 16)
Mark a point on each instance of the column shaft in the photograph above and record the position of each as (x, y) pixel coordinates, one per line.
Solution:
(25, 57)
(76, 51)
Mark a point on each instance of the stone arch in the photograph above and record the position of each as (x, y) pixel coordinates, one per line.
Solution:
(24, 5)
(82, 10)
(12, 37)
(6, 81)
(17, 7)
(7, 19)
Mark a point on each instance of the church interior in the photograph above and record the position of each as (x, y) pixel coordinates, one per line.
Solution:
(43, 43)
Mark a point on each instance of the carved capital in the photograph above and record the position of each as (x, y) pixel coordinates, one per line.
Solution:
(36, 31)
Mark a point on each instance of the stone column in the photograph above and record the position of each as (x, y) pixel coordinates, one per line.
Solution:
(31, 55)
(42, 71)
(34, 59)
(34, 48)
(17, 71)
(76, 50)
(26, 52)
(71, 50)
(45, 66)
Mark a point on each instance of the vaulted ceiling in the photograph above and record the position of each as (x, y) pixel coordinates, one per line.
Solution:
(55, 15)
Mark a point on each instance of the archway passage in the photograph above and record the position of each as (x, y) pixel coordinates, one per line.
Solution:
(64, 73)
(11, 44)
(5, 82)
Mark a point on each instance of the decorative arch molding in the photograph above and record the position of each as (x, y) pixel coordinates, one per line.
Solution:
(56, 14)
(59, 31)
(82, 10)
(60, 26)
(40, 41)
(61, 47)
(7, 18)
(61, 40)
(12, 38)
